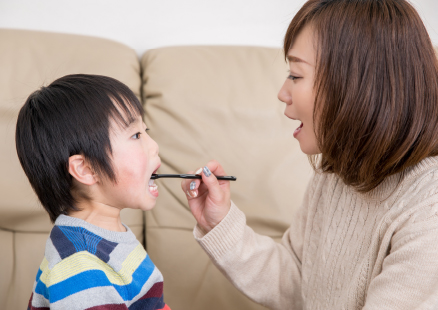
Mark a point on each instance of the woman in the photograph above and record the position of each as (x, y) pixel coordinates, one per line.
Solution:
(364, 83)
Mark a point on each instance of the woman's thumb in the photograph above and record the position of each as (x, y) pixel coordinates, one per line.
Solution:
(212, 184)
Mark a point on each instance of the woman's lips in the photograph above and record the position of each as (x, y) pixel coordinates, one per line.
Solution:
(298, 130)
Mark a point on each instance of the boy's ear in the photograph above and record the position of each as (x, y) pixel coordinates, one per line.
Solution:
(79, 168)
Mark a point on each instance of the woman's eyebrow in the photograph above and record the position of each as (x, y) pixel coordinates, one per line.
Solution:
(296, 59)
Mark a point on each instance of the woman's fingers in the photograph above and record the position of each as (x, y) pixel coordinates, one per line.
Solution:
(194, 184)
(209, 172)
(190, 186)
(219, 189)
(215, 168)
(209, 199)
(212, 183)
(185, 185)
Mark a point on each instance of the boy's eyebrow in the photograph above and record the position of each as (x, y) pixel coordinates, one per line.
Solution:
(134, 121)
(129, 124)
(295, 59)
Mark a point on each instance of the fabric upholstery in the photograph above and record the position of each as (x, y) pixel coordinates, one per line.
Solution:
(28, 60)
(220, 103)
(201, 103)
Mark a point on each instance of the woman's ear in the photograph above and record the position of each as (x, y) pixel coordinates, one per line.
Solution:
(79, 168)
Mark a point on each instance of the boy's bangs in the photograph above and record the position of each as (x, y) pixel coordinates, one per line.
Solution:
(125, 110)
(71, 116)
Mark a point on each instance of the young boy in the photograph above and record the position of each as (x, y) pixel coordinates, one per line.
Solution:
(83, 145)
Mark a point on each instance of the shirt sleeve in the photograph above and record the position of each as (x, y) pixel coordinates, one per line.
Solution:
(408, 278)
(267, 272)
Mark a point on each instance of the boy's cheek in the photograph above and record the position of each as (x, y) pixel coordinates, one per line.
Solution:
(132, 165)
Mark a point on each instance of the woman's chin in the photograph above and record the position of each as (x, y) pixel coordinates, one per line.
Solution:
(309, 149)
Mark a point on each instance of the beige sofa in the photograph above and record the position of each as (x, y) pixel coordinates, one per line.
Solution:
(201, 103)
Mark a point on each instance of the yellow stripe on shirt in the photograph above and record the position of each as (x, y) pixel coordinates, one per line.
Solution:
(84, 261)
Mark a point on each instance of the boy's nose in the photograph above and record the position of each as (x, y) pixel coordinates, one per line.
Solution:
(156, 147)
(152, 146)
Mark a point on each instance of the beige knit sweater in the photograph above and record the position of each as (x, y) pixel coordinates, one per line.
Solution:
(344, 250)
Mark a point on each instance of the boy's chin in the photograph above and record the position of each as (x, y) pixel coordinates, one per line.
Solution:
(148, 206)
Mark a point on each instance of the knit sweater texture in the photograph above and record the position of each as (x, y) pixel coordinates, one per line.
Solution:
(88, 267)
(344, 249)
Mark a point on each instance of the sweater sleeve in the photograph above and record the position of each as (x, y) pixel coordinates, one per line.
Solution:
(267, 272)
(408, 278)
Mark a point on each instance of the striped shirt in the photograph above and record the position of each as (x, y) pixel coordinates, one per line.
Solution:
(88, 267)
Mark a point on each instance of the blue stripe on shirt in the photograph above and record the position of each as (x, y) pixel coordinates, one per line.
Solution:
(95, 278)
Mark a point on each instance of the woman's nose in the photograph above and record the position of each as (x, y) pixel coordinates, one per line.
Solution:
(284, 94)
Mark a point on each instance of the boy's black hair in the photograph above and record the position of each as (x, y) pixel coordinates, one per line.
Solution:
(70, 116)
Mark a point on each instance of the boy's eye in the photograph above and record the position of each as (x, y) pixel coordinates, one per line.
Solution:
(137, 135)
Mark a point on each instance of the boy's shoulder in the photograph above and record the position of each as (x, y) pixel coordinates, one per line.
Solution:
(83, 259)
(68, 240)
(72, 237)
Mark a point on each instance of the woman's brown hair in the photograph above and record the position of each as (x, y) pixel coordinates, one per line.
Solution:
(376, 88)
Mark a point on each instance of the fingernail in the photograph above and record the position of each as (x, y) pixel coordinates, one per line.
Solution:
(188, 194)
(194, 194)
(192, 185)
(207, 171)
(198, 171)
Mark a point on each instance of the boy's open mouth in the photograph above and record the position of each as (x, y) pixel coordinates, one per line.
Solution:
(153, 188)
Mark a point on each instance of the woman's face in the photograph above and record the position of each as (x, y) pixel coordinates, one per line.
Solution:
(297, 91)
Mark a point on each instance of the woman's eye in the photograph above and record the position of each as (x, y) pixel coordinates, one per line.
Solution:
(137, 135)
(293, 78)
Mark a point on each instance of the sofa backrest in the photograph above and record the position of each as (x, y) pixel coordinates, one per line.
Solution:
(218, 102)
(28, 60)
(201, 103)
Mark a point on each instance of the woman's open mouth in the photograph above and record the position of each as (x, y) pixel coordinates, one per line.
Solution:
(297, 131)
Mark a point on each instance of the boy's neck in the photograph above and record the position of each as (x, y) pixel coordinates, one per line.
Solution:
(100, 215)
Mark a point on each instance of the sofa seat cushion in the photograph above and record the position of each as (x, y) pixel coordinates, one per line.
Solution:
(28, 60)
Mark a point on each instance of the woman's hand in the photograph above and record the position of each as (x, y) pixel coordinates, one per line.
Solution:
(209, 198)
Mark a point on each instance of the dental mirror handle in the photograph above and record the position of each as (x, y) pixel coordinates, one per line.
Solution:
(190, 176)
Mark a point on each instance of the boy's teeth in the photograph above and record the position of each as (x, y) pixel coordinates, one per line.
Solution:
(151, 183)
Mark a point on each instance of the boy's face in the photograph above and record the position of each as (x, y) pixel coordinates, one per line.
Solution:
(135, 158)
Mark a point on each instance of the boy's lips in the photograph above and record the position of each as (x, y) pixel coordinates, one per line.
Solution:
(155, 171)
(153, 188)
(158, 167)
